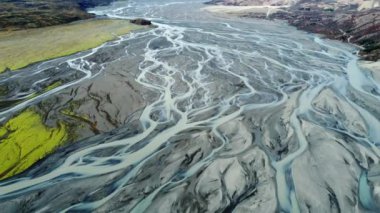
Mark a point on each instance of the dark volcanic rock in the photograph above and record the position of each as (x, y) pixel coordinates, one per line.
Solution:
(141, 21)
(23, 14)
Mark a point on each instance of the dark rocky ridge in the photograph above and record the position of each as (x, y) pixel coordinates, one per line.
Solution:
(23, 14)
(140, 21)
(343, 23)
(358, 27)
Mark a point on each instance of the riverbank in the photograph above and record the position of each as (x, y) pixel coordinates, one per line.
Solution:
(357, 27)
(23, 47)
(351, 23)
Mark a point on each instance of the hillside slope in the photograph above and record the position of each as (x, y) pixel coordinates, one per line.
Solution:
(23, 14)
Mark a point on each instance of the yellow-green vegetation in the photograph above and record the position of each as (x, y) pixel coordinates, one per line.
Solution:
(3, 90)
(53, 86)
(48, 88)
(21, 48)
(24, 140)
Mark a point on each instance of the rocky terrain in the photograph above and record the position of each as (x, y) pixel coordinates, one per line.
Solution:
(22, 14)
(350, 21)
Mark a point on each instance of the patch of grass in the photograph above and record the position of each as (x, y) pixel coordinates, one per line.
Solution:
(25, 140)
(21, 48)
(53, 86)
(3, 90)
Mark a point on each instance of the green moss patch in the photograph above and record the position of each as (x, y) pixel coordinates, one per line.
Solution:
(53, 86)
(24, 140)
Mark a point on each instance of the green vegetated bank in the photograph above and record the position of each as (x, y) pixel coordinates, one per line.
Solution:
(23, 47)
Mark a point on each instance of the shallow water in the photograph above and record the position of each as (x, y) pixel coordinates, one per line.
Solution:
(237, 115)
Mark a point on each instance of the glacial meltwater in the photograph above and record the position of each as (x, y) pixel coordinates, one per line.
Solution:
(201, 113)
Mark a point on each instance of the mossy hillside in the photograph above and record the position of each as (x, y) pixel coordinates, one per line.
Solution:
(25, 140)
(21, 48)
